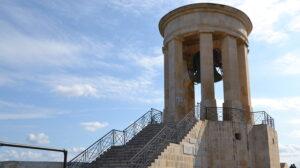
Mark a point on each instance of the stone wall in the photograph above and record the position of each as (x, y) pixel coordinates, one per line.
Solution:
(264, 147)
(223, 144)
(25, 164)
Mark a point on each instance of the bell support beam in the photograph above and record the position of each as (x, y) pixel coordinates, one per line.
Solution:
(207, 76)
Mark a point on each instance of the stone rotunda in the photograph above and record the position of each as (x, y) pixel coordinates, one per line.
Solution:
(206, 29)
(204, 43)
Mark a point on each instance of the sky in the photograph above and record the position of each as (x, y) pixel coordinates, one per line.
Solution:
(70, 71)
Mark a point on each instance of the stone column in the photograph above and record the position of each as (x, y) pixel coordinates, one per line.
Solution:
(207, 77)
(244, 80)
(166, 82)
(231, 82)
(175, 86)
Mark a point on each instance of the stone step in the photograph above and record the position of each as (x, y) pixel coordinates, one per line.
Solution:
(118, 156)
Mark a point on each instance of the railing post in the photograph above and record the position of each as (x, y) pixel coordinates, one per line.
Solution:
(65, 158)
(134, 128)
(264, 121)
(113, 138)
(267, 118)
(151, 115)
(124, 137)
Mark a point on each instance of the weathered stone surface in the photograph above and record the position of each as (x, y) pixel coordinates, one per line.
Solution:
(218, 146)
(205, 17)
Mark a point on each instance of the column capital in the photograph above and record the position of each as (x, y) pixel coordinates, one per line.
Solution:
(205, 32)
(175, 38)
(164, 49)
(178, 38)
(230, 36)
(242, 42)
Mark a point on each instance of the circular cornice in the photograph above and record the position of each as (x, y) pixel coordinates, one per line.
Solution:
(209, 7)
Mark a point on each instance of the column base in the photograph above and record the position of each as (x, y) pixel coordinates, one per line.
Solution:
(209, 110)
(233, 111)
(248, 114)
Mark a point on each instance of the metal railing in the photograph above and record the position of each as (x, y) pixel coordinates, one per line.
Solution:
(175, 134)
(234, 114)
(222, 113)
(153, 148)
(169, 134)
(262, 117)
(159, 142)
(184, 125)
(114, 138)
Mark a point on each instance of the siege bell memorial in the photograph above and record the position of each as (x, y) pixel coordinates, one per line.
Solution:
(203, 44)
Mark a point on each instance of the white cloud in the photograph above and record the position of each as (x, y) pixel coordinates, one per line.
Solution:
(294, 24)
(295, 134)
(288, 64)
(93, 125)
(294, 121)
(139, 87)
(149, 63)
(77, 90)
(277, 104)
(20, 49)
(9, 154)
(22, 155)
(19, 111)
(74, 151)
(28, 52)
(290, 153)
(265, 17)
(38, 138)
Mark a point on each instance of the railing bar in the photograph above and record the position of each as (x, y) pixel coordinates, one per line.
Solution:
(116, 137)
(141, 117)
(91, 145)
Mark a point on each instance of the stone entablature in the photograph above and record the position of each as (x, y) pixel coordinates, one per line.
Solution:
(205, 17)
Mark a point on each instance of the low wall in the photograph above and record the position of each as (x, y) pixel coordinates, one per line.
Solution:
(24, 164)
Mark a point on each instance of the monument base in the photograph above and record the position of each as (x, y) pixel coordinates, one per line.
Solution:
(224, 144)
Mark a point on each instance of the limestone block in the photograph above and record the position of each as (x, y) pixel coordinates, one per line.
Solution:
(188, 149)
(193, 140)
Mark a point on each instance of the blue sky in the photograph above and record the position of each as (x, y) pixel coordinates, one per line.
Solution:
(70, 71)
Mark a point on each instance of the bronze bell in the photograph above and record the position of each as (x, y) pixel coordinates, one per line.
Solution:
(195, 73)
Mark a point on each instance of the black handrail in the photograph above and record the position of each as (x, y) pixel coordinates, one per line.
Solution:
(15, 145)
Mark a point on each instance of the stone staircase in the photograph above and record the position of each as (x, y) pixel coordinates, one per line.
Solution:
(174, 155)
(118, 156)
